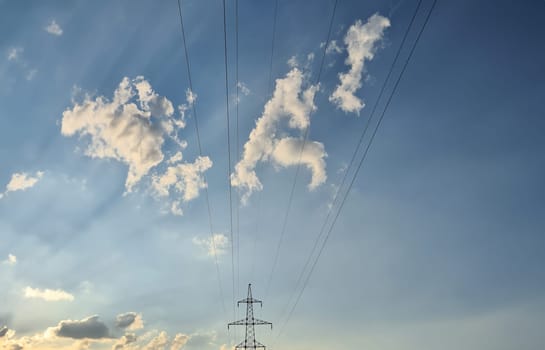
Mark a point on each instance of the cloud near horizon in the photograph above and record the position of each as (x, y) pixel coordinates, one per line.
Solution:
(129, 321)
(47, 294)
(91, 332)
(11, 260)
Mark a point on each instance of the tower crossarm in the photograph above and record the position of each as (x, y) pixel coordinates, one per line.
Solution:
(250, 301)
(252, 322)
(258, 322)
(238, 323)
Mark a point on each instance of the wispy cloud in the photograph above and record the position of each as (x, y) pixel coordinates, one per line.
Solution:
(215, 245)
(361, 40)
(11, 260)
(292, 102)
(47, 294)
(333, 47)
(14, 53)
(54, 28)
(31, 74)
(21, 182)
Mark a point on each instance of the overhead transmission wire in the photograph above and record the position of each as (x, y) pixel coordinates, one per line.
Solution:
(269, 93)
(354, 154)
(272, 45)
(364, 156)
(237, 101)
(237, 145)
(298, 167)
(229, 153)
(194, 110)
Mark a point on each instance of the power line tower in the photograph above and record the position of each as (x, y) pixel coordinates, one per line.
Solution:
(249, 342)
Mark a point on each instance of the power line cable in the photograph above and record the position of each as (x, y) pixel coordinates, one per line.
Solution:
(229, 153)
(298, 167)
(237, 145)
(354, 154)
(194, 110)
(272, 45)
(269, 93)
(364, 156)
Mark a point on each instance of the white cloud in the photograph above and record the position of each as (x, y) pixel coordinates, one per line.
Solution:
(292, 62)
(31, 74)
(183, 179)
(361, 40)
(125, 340)
(11, 260)
(14, 53)
(159, 342)
(243, 88)
(215, 245)
(47, 294)
(179, 341)
(333, 47)
(91, 332)
(175, 208)
(288, 152)
(293, 103)
(131, 128)
(21, 182)
(190, 97)
(177, 157)
(53, 28)
(130, 321)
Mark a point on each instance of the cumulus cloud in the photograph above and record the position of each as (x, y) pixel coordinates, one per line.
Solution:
(11, 260)
(288, 152)
(88, 328)
(3, 331)
(131, 128)
(159, 342)
(47, 294)
(130, 321)
(53, 28)
(179, 341)
(185, 179)
(293, 103)
(90, 332)
(215, 245)
(21, 182)
(125, 340)
(361, 41)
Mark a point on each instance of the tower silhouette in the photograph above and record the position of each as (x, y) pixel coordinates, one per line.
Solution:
(249, 341)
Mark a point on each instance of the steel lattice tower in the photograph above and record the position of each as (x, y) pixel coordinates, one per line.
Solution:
(249, 342)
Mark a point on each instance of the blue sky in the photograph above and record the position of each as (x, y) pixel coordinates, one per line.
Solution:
(440, 242)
